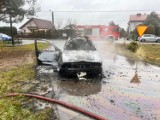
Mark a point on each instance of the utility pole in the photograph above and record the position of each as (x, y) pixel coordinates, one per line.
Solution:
(52, 24)
(11, 30)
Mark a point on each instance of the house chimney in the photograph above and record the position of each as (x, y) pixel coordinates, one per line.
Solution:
(138, 14)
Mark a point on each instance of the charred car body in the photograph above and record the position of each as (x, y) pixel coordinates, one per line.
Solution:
(48, 57)
(80, 55)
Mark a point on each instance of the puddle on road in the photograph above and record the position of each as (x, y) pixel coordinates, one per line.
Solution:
(114, 97)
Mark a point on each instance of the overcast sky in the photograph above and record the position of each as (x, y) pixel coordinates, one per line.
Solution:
(121, 16)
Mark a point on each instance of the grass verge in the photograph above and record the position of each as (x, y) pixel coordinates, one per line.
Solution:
(41, 46)
(152, 53)
(12, 108)
(146, 52)
(15, 80)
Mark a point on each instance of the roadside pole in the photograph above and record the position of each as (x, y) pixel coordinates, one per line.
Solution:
(140, 29)
(53, 24)
(11, 31)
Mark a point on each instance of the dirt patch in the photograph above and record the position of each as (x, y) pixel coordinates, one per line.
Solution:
(12, 59)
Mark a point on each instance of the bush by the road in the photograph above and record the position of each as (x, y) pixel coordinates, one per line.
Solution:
(6, 30)
(133, 46)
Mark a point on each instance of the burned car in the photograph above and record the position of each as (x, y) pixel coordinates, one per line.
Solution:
(80, 55)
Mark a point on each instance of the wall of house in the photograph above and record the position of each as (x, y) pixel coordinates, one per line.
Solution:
(25, 28)
(132, 25)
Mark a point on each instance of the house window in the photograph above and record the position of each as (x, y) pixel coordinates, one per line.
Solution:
(106, 29)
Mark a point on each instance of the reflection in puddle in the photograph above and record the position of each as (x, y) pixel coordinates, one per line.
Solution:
(130, 61)
(80, 88)
(135, 79)
(52, 85)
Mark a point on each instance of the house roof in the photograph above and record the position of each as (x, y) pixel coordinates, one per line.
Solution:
(41, 24)
(138, 18)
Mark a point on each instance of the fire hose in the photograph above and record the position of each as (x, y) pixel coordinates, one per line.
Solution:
(72, 107)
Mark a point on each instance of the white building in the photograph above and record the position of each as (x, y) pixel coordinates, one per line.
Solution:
(136, 20)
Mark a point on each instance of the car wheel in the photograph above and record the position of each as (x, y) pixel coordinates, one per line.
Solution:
(158, 40)
(144, 40)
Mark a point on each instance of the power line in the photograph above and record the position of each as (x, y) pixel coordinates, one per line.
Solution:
(102, 11)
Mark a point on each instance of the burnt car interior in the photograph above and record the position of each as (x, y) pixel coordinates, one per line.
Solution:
(79, 43)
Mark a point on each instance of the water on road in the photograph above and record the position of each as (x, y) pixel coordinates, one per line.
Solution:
(129, 91)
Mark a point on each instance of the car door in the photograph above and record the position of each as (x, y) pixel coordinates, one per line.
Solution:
(0, 37)
(154, 38)
(148, 37)
(151, 38)
(48, 57)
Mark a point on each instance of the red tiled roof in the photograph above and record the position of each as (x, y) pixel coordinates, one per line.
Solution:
(41, 24)
(138, 18)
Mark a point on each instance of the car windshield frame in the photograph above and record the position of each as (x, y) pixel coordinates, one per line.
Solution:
(79, 44)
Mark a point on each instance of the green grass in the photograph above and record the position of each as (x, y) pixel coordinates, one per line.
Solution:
(11, 109)
(147, 52)
(10, 81)
(41, 46)
(14, 80)
(152, 53)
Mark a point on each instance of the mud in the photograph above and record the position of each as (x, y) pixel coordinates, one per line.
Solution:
(114, 97)
(10, 59)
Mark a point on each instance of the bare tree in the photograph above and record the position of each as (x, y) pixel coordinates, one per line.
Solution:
(59, 23)
(72, 24)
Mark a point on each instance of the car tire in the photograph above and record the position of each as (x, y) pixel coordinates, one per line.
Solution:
(143, 40)
(158, 40)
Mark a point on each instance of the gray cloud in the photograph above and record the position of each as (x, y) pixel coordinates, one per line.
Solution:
(98, 18)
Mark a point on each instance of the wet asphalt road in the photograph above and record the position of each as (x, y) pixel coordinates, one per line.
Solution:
(113, 97)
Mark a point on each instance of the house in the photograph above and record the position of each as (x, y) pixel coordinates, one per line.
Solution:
(135, 20)
(35, 24)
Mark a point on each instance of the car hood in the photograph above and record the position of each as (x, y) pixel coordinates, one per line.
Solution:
(80, 55)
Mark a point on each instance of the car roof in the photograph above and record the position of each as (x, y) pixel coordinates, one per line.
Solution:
(79, 42)
(148, 34)
(2, 34)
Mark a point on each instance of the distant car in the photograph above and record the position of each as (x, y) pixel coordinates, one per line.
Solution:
(80, 55)
(110, 37)
(158, 39)
(149, 38)
(5, 37)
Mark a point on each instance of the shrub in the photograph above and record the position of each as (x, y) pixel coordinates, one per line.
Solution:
(132, 46)
(6, 30)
